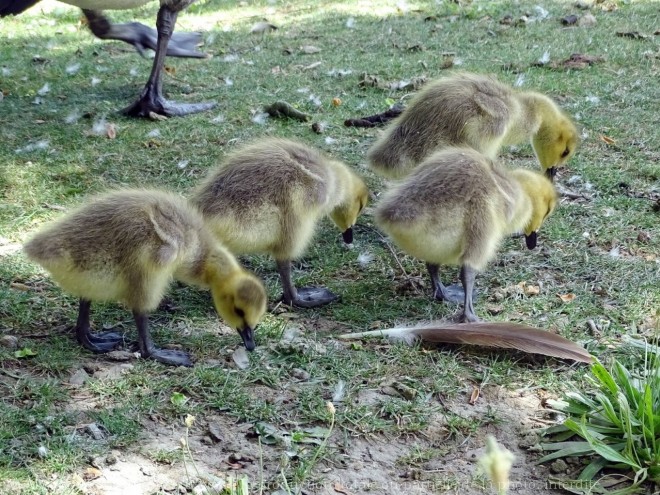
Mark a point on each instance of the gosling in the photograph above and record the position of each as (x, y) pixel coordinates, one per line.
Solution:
(127, 246)
(268, 198)
(476, 111)
(456, 207)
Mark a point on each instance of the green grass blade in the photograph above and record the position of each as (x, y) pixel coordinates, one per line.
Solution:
(623, 378)
(605, 379)
(606, 451)
(593, 468)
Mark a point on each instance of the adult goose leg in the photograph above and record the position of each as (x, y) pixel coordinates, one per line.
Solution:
(152, 100)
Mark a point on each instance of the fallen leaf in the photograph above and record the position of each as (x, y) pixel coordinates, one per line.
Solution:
(20, 286)
(170, 70)
(474, 396)
(567, 297)
(309, 49)
(311, 66)
(91, 474)
(25, 352)
(580, 61)
(532, 290)
(262, 27)
(111, 131)
(339, 488)
(336, 102)
(607, 140)
(156, 116)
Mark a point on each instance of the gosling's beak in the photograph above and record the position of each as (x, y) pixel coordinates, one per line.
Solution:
(551, 172)
(247, 334)
(530, 240)
(348, 235)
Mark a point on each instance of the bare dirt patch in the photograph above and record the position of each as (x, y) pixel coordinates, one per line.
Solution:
(357, 465)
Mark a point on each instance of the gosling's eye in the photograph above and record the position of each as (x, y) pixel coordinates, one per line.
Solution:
(239, 312)
(565, 153)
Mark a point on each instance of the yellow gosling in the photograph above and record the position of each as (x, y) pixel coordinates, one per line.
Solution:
(269, 196)
(476, 111)
(127, 246)
(455, 208)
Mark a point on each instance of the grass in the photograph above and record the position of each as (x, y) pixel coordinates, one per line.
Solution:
(603, 249)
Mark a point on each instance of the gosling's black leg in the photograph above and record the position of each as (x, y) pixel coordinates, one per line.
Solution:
(141, 36)
(152, 100)
(305, 297)
(453, 293)
(467, 278)
(150, 351)
(95, 342)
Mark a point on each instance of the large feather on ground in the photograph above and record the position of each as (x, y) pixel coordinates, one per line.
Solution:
(499, 334)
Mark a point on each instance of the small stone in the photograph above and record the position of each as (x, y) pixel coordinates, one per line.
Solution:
(111, 459)
(569, 20)
(9, 341)
(169, 485)
(207, 440)
(146, 471)
(113, 372)
(405, 391)
(559, 466)
(200, 490)
(79, 377)
(120, 355)
(300, 374)
(215, 430)
(94, 430)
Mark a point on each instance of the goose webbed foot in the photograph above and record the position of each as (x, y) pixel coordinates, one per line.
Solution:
(310, 297)
(452, 293)
(149, 351)
(99, 342)
(143, 37)
(96, 342)
(150, 102)
(469, 317)
(170, 357)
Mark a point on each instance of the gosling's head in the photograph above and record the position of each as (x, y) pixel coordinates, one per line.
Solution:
(345, 215)
(543, 196)
(555, 142)
(240, 300)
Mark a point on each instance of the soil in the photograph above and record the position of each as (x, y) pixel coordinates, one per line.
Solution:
(360, 466)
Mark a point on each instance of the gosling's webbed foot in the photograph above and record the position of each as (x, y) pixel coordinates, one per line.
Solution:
(149, 103)
(469, 317)
(100, 342)
(311, 297)
(451, 293)
(170, 357)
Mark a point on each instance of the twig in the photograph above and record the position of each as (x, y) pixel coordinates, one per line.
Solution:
(378, 119)
(572, 195)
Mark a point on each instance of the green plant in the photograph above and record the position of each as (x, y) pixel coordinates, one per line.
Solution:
(619, 424)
